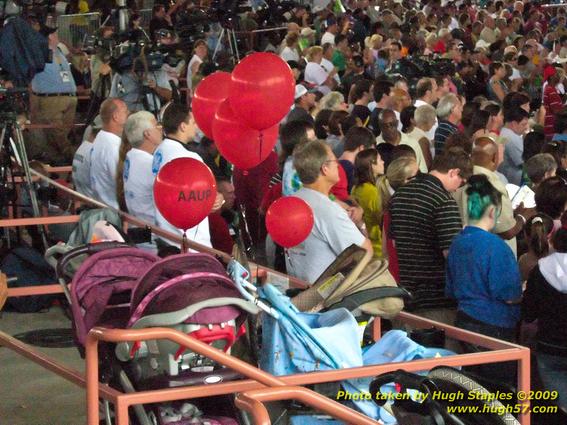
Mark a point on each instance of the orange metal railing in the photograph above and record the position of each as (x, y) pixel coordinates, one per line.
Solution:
(252, 402)
(257, 378)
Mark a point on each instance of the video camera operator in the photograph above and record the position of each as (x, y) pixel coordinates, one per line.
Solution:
(141, 86)
(101, 72)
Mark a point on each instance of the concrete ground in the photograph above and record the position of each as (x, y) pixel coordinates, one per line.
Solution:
(29, 394)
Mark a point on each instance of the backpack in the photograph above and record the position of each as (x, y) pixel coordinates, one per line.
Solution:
(29, 267)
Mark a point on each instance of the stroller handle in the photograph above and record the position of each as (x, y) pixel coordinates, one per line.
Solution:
(249, 291)
(88, 249)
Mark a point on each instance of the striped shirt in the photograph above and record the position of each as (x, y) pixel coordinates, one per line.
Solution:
(425, 219)
(553, 104)
(442, 133)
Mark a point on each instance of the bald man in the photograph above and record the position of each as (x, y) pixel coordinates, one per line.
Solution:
(485, 161)
(389, 133)
(106, 149)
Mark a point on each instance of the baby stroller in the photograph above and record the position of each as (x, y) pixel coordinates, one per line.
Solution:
(101, 288)
(354, 281)
(121, 287)
(296, 342)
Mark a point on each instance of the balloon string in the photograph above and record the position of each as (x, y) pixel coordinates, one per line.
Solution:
(184, 245)
(286, 254)
(261, 141)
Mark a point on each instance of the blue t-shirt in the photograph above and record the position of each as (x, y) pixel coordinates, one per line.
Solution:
(56, 77)
(482, 275)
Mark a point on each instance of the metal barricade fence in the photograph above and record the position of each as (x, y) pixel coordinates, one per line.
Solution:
(73, 29)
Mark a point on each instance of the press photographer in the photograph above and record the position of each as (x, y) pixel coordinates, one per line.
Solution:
(100, 48)
(140, 79)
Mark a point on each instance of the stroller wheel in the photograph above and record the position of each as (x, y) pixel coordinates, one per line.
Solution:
(444, 376)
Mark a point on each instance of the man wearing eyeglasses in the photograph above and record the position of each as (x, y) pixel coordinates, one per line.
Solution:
(333, 231)
(144, 135)
(389, 134)
(425, 219)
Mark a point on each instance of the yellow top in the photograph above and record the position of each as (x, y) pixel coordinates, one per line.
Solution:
(369, 199)
(83, 6)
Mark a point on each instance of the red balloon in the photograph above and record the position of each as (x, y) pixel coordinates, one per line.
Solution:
(241, 145)
(289, 221)
(262, 90)
(208, 95)
(184, 192)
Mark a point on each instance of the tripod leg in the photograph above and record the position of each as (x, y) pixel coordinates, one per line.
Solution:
(235, 53)
(6, 230)
(21, 148)
(217, 47)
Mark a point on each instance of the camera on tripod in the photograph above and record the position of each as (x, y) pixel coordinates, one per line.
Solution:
(102, 46)
(138, 57)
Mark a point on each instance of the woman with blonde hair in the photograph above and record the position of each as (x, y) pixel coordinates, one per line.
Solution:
(372, 45)
(400, 171)
(430, 42)
(315, 74)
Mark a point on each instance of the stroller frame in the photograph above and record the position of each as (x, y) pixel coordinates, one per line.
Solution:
(257, 379)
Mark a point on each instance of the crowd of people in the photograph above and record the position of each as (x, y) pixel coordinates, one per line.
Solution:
(416, 169)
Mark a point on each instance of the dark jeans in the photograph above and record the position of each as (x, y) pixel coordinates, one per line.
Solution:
(553, 374)
(497, 372)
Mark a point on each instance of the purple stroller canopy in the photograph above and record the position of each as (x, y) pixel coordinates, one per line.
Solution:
(179, 281)
(101, 276)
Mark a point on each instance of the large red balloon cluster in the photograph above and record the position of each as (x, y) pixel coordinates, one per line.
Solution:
(241, 111)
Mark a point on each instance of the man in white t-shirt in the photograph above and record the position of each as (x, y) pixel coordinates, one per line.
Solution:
(106, 150)
(332, 30)
(179, 127)
(333, 231)
(427, 93)
(144, 135)
(82, 160)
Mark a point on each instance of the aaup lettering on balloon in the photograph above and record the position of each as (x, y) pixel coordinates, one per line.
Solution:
(194, 195)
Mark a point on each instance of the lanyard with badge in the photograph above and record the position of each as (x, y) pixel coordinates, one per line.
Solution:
(65, 75)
